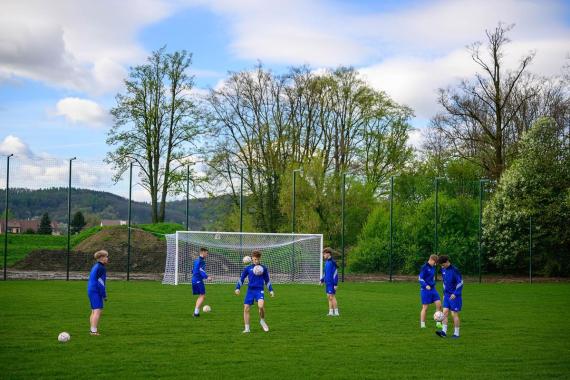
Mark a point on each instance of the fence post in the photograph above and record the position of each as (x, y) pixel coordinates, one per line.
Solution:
(530, 249)
(129, 222)
(342, 221)
(391, 225)
(188, 197)
(69, 219)
(241, 204)
(6, 215)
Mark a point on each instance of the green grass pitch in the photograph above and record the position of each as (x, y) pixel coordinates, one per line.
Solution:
(509, 331)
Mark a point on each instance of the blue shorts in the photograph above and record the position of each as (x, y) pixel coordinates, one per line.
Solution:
(453, 305)
(198, 287)
(429, 296)
(330, 289)
(96, 300)
(253, 295)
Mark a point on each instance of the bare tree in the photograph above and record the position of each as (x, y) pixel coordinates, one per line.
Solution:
(479, 117)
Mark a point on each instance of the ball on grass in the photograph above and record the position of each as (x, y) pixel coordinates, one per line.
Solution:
(206, 309)
(63, 337)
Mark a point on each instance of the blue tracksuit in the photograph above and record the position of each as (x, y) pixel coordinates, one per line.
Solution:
(330, 277)
(452, 284)
(255, 285)
(96, 285)
(198, 276)
(427, 277)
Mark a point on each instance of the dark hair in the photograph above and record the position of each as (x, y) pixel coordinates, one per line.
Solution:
(202, 249)
(327, 250)
(256, 254)
(442, 259)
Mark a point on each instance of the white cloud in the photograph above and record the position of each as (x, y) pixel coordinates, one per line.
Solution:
(80, 45)
(82, 111)
(14, 145)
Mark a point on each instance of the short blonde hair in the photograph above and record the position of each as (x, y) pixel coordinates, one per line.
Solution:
(100, 254)
(433, 257)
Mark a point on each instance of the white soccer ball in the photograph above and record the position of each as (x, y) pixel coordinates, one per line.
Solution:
(258, 270)
(206, 309)
(438, 316)
(64, 337)
(246, 259)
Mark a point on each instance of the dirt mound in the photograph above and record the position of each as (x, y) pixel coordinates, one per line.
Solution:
(148, 253)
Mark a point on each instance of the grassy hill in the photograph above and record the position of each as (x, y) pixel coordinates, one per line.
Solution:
(27, 204)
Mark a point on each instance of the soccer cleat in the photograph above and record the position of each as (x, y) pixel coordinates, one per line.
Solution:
(455, 336)
(196, 315)
(439, 325)
(330, 315)
(94, 333)
(245, 331)
(441, 334)
(264, 326)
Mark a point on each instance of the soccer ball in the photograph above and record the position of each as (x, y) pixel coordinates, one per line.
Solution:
(64, 337)
(258, 270)
(246, 259)
(206, 309)
(438, 316)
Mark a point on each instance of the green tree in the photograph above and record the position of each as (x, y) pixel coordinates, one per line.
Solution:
(156, 125)
(537, 185)
(78, 222)
(45, 225)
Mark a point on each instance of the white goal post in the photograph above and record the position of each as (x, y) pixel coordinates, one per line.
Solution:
(290, 258)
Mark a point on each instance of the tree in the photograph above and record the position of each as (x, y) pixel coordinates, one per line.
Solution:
(78, 222)
(45, 225)
(479, 115)
(156, 125)
(537, 185)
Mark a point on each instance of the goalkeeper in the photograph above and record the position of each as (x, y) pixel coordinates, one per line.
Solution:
(258, 277)
(330, 279)
(198, 276)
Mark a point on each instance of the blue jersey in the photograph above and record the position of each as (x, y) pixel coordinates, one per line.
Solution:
(330, 276)
(427, 276)
(199, 270)
(97, 278)
(452, 281)
(255, 282)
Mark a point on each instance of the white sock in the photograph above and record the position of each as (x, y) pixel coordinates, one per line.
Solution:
(196, 310)
(422, 324)
(246, 327)
(444, 329)
(456, 331)
(335, 311)
(331, 312)
(93, 329)
(262, 321)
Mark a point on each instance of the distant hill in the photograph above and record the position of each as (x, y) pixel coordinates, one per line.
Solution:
(26, 204)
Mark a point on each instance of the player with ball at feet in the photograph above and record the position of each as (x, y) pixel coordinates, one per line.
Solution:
(258, 277)
(428, 293)
(452, 290)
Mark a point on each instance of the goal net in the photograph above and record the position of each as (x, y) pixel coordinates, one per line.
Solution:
(288, 257)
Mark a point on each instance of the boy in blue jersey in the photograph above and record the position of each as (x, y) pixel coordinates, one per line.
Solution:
(199, 275)
(452, 289)
(96, 289)
(257, 278)
(428, 293)
(330, 279)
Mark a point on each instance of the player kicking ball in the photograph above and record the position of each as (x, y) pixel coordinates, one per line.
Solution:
(330, 279)
(199, 275)
(452, 288)
(258, 277)
(428, 292)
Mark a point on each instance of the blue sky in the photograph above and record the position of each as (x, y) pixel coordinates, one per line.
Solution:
(62, 62)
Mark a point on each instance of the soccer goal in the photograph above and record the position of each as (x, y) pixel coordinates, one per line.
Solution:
(288, 257)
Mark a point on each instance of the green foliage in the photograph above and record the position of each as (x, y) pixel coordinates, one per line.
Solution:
(78, 222)
(84, 234)
(536, 185)
(20, 245)
(161, 228)
(45, 225)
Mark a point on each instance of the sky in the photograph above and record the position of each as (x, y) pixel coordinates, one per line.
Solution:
(62, 62)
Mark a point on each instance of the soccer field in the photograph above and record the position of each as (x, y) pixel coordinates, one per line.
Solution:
(508, 331)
